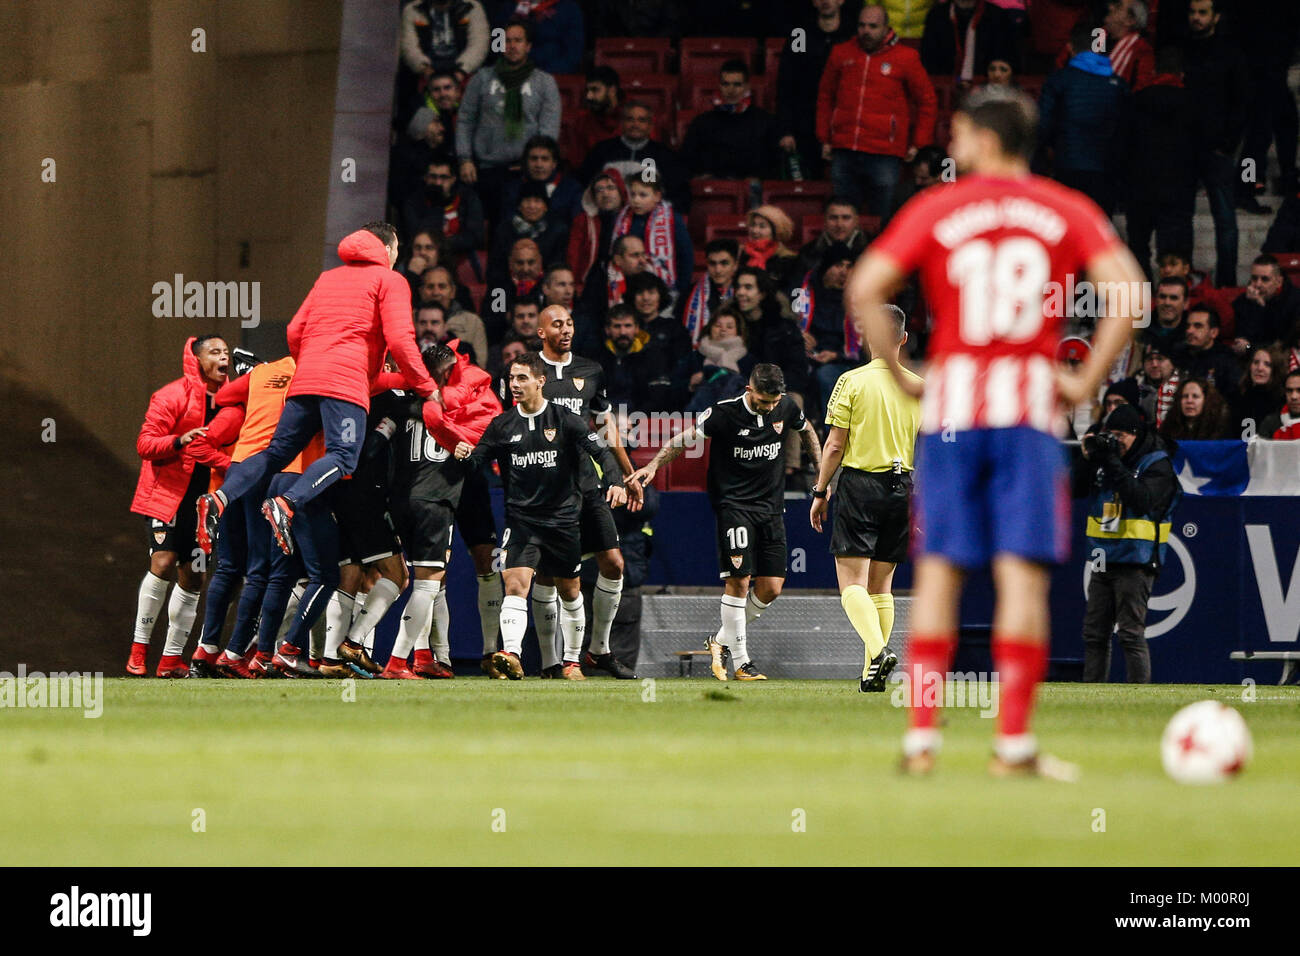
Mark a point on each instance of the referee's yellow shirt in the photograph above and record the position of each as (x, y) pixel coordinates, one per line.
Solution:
(881, 418)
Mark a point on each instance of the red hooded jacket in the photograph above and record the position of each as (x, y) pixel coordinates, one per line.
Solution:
(165, 471)
(353, 314)
(584, 233)
(881, 103)
(468, 405)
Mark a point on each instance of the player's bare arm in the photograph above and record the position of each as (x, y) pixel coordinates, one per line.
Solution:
(635, 496)
(832, 454)
(811, 444)
(1116, 265)
(872, 283)
(670, 451)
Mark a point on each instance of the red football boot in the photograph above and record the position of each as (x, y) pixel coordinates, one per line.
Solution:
(172, 665)
(136, 666)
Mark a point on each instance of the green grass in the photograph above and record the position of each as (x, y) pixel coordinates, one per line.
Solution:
(411, 773)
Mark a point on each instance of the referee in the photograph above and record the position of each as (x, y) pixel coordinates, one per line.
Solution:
(873, 434)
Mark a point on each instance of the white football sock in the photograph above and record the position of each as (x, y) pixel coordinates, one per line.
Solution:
(1015, 748)
(546, 612)
(573, 625)
(338, 619)
(442, 628)
(732, 633)
(416, 618)
(489, 609)
(382, 596)
(604, 606)
(290, 611)
(148, 602)
(754, 607)
(181, 611)
(514, 621)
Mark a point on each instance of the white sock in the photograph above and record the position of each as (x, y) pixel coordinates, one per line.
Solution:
(489, 608)
(545, 614)
(381, 598)
(920, 739)
(732, 634)
(754, 607)
(416, 618)
(317, 642)
(604, 605)
(573, 625)
(338, 619)
(514, 621)
(442, 628)
(149, 601)
(290, 611)
(1015, 748)
(181, 611)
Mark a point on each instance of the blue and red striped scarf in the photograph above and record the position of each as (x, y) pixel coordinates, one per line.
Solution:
(697, 314)
(804, 308)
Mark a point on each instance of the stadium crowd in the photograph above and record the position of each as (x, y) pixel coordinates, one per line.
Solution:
(694, 187)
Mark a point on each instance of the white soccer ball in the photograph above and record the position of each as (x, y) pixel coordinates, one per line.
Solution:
(1205, 742)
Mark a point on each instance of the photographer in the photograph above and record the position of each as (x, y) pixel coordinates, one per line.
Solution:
(1127, 472)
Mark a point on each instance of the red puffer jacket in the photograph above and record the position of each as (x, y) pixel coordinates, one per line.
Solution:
(880, 102)
(468, 405)
(353, 314)
(173, 410)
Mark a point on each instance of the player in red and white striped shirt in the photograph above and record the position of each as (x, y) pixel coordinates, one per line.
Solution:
(990, 249)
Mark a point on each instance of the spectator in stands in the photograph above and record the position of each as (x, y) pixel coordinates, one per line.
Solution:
(1156, 384)
(504, 107)
(443, 94)
(667, 340)
(1285, 426)
(829, 340)
(1131, 57)
(735, 139)
(446, 206)
(1082, 115)
(593, 229)
(1126, 470)
(1000, 73)
(600, 117)
(531, 220)
(629, 151)
(1260, 392)
(430, 325)
(961, 38)
(512, 346)
(1215, 74)
(1268, 42)
(557, 30)
(1268, 308)
(928, 168)
(542, 165)
(1198, 413)
(627, 257)
(1200, 288)
(767, 248)
(520, 279)
(1203, 356)
(1071, 353)
(438, 285)
(558, 286)
(771, 335)
(715, 288)
(1169, 330)
(1124, 392)
(524, 317)
(1161, 166)
(651, 218)
(803, 58)
(841, 224)
(871, 89)
(444, 35)
(422, 141)
(712, 371)
(622, 359)
(908, 17)
(426, 252)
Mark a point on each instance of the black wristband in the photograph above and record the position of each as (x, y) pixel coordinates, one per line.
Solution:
(176, 443)
(818, 494)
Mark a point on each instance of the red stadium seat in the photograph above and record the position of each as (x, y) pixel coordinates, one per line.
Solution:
(772, 48)
(797, 199)
(944, 91)
(714, 197)
(699, 91)
(724, 227)
(572, 86)
(684, 117)
(657, 90)
(811, 227)
(1290, 263)
(707, 54)
(687, 473)
(634, 54)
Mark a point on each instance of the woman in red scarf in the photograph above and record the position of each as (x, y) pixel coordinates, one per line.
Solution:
(770, 229)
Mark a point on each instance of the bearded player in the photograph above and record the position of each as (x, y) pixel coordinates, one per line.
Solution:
(992, 479)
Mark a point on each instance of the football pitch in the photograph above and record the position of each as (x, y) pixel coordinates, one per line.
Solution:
(675, 772)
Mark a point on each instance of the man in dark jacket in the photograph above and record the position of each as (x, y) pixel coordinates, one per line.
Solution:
(1127, 471)
(735, 139)
(1215, 74)
(623, 359)
(1081, 118)
(1162, 169)
(824, 330)
(629, 150)
(1269, 308)
(1204, 356)
(962, 37)
(798, 76)
(668, 342)
(447, 206)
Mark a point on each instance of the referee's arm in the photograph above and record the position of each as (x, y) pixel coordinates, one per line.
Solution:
(832, 453)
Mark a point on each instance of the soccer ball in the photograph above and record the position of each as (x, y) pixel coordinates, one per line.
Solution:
(1205, 742)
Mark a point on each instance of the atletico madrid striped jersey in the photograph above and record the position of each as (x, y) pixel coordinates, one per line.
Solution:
(990, 252)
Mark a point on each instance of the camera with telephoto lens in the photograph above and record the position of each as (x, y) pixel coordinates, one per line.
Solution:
(1101, 445)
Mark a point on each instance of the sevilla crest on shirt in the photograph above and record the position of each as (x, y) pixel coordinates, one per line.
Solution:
(549, 433)
(778, 427)
(578, 383)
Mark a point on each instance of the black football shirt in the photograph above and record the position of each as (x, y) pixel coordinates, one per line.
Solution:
(746, 457)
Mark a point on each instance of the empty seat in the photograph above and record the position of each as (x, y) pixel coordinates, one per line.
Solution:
(572, 89)
(725, 227)
(634, 54)
(772, 48)
(687, 473)
(797, 199)
(707, 54)
(656, 90)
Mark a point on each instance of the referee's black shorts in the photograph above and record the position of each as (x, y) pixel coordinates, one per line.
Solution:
(872, 515)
